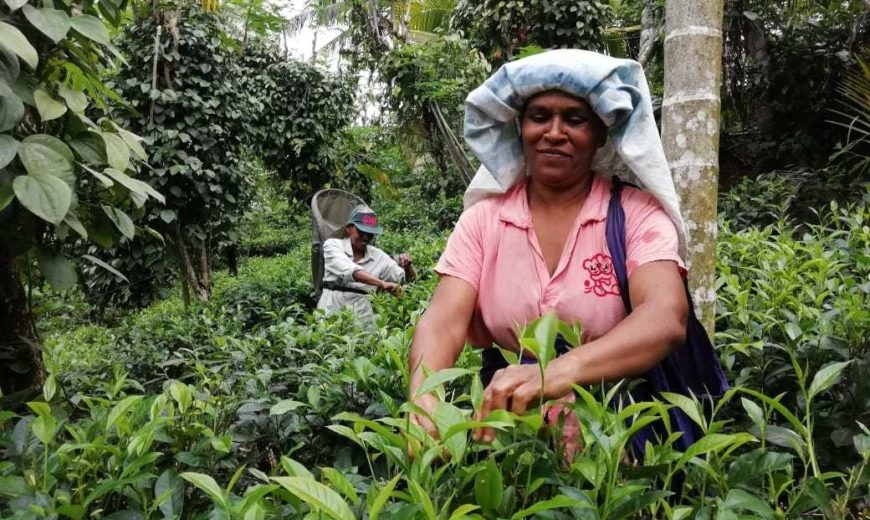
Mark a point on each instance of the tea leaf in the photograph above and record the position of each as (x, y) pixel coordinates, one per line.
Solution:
(462, 511)
(488, 488)
(687, 405)
(318, 496)
(381, 499)
(209, 486)
(169, 494)
(120, 409)
(287, 405)
(826, 378)
(557, 502)
(422, 498)
(439, 378)
(740, 499)
(337, 479)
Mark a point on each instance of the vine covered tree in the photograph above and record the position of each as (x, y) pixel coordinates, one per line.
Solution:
(67, 172)
(208, 104)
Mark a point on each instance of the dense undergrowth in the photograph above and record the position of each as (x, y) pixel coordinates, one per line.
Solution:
(251, 406)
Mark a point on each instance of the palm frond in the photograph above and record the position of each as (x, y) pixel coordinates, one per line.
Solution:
(854, 116)
(430, 15)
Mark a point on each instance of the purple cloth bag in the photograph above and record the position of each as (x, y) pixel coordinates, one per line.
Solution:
(691, 368)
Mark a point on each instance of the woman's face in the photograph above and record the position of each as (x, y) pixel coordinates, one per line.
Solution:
(560, 136)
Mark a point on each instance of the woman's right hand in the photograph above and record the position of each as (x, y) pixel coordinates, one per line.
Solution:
(427, 404)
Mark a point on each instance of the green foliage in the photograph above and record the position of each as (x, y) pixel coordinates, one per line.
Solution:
(300, 112)
(796, 301)
(67, 170)
(783, 64)
(499, 28)
(191, 114)
(854, 116)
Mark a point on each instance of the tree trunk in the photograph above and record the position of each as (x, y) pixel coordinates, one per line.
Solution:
(690, 132)
(197, 284)
(22, 371)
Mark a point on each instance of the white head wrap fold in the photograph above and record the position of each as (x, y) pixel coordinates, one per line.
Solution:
(617, 91)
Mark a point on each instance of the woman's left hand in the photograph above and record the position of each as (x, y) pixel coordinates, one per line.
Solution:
(517, 387)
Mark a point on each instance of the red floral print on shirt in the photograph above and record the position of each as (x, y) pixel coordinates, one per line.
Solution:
(602, 280)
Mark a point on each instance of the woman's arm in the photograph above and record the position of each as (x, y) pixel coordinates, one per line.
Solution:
(439, 337)
(656, 324)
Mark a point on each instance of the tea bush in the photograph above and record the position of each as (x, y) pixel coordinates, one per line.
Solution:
(253, 406)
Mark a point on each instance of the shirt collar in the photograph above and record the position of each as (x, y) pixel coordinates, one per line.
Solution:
(515, 209)
(348, 249)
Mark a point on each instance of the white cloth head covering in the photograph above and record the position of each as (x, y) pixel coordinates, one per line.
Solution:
(617, 91)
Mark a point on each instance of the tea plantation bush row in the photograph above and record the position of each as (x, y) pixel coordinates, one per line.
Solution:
(252, 406)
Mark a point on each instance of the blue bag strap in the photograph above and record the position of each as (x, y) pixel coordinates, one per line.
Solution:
(691, 368)
(615, 234)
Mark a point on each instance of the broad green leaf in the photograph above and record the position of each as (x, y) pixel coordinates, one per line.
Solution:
(488, 488)
(53, 23)
(12, 39)
(134, 185)
(91, 149)
(76, 100)
(7, 194)
(169, 490)
(383, 496)
(121, 220)
(58, 271)
(318, 496)
(133, 142)
(167, 215)
(207, 484)
(826, 378)
(15, 4)
(43, 428)
(106, 266)
(446, 416)
(117, 152)
(557, 502)
(439, 378)
(47, 155)
(104, 179)
(13, 487)
(8, 149)
(340, 482)
(46, 196)
(91, 27)
(681, 513)
(120, 409)
(740, 499)
(41, 409)
(287, 405)
(11, 109)
(48, 107)
(10, 68)
(180, 392)
(294, 468)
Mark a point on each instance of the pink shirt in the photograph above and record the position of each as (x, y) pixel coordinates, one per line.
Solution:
(494, 248)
